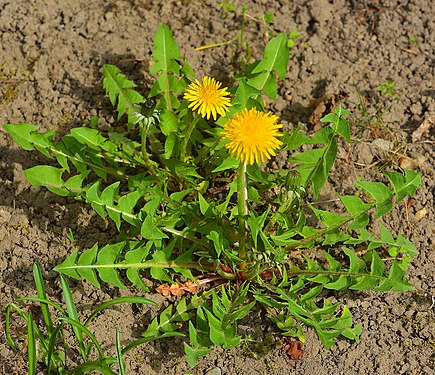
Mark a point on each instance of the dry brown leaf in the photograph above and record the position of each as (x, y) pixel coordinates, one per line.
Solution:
(176, 289)
(420, 214)
(407, 163)
(294, 349)
(423, 128)
(164, 290)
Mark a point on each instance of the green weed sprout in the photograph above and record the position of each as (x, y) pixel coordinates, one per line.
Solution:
(47, 351)
(198, 217)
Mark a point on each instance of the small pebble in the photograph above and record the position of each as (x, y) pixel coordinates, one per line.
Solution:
(214, 371)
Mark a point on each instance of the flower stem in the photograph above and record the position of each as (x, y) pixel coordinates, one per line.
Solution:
(148, 164)
(187, 134)
(242, 200)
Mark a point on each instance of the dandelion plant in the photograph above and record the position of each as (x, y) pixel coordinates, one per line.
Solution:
(198, 219)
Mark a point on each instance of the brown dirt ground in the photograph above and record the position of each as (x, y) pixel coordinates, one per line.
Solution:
(51, 54)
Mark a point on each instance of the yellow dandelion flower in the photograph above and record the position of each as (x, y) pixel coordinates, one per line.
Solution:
(208, 98)
(252, 135)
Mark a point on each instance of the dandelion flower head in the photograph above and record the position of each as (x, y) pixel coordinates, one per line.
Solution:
(208, 97)
(252, 135)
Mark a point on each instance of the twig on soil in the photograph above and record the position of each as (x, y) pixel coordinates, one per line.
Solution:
(411, 51)
(5, 81)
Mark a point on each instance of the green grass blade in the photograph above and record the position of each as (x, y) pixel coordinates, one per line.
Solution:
(148, 339)
(119, 359)
(78, 327)
(31, 344)
(43, 301)
(40, 288)
(52, 345)
(25, 316)
(116, 301)
(72, 313)
(8, 325)
(100, 364)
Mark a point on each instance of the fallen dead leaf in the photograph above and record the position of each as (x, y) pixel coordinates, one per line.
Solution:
(420, 214)
(177, 289)
(407, 163)
(419, 158)
(423, 128)
(225, 268)
(294, 349)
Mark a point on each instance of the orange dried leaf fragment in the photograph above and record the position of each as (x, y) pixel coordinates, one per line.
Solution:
(294, 349)
(177, 289)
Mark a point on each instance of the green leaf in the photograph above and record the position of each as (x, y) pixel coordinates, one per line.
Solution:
(166, 56)
(194, 354)
(354, 204)
(107, 198)
(108, 256)
(316, 164)
(242, 96)
(225, 337)
(256, 224)
(117, 301)
(165, 324)
(48, 176)
(161, 256)
(365, 283)
(75, 184)
(294, 139)
(268, 18)
(89, 257)
(215, 237)
(187, 70)
(269, 301)
(181, 169)
(321, 170)
(341, 283)
(358, 209)
(150, 231)
(276, 55)
(90, 137)
(137, 256)
(377, 267)
(119, 88)
(171, 145)
(328, 218)
(169, 123)
(203, 204)
(404, 184)
(22, 134)
(43, 142)
(107, 201)
(166, 52)
(340, 124)
(381, 194)
(228, 163)
(197, 350)
(357, 265)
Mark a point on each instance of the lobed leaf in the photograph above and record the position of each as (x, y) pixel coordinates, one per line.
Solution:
(120, 91)
(381, 194)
